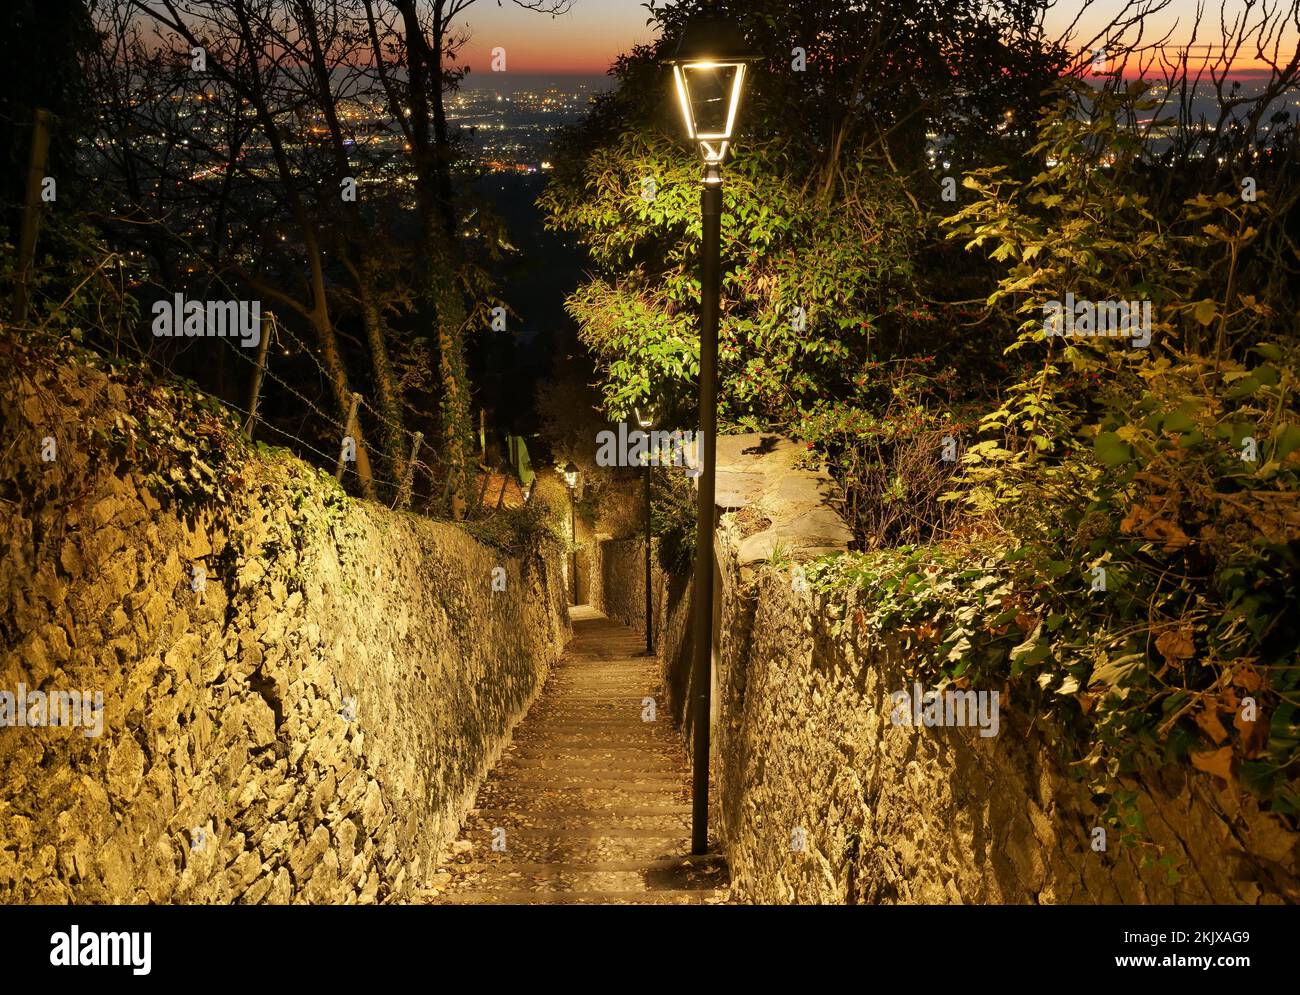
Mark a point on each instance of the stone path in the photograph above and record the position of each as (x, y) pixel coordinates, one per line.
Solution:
(591, 803)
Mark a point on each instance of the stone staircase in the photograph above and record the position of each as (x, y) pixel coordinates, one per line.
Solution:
(589, 804)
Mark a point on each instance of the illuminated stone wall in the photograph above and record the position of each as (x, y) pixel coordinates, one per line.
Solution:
(310, 725)
(821, 799)
(619, 591)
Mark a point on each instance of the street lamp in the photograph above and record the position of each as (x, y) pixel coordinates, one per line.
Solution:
(709, 75)
(709, 68)
(646, 419)
(571, 479)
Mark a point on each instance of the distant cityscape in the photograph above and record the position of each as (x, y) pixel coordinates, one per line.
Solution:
(511, 120)
(503, 124)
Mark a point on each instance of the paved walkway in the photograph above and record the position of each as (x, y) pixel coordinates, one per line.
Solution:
(589, 804)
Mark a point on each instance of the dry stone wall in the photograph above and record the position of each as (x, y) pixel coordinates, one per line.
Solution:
(820, 799)
(619, 591)
(300, 693)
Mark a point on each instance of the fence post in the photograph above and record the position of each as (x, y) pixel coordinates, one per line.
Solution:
(349, 432)
(404, 491)
(31, 212)
(255, 391)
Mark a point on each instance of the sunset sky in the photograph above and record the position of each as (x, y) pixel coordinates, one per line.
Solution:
(593, 32)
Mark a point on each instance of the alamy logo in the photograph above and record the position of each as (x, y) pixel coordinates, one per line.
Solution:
(194, 319)
(92, 949)
(1102, 319)
(69, 709)
(946, 708)
(657, 448)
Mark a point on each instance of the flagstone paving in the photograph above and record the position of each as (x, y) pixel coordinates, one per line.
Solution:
(590, 803)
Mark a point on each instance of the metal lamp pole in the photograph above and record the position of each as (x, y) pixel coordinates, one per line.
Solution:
(649, 600)
(709, 67)
(702, 622)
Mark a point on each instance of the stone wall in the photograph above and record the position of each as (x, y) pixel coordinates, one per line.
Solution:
(308, 725)
(819, 798)
(619, 591)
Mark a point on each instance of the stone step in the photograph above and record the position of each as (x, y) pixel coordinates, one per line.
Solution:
(580, 816)
(626, 730)
(659, 818)
(543, 778)
(619, 739)
(594, 802)
(655, 755)
(705, 864)
(610, 707)
(717, 897)
(579, 846)
(542, 877)
(650, 763)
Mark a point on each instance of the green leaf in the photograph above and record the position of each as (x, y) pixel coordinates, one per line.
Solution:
(1178, 421)
(1113, 671)
(1288, 441)
(1269, 351)
(1244, 387)
(1206, 311)
(1111, 450)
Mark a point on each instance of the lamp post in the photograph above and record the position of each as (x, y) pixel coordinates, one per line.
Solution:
(646, 420)
(709, 68)
(571, 479)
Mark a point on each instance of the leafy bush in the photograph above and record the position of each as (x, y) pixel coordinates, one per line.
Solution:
(518, 531)
(1149, 495)
(673, 512)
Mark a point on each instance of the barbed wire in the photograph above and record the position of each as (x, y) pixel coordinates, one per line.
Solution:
(289, 435)
(307, 350)
(417, 440)
(249, 418)
(220, 278)
(410, 435)
(414, 438)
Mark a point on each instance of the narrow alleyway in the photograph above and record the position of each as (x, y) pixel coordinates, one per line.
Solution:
(590, 804)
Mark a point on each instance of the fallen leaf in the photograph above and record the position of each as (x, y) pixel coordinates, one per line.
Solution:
(1176, 644)
(1217, 762)
(1207, 719)
(1247, 679)
(1253, 735)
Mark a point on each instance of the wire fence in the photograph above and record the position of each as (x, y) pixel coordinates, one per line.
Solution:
(417, 460)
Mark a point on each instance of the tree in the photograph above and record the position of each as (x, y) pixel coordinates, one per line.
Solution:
(420, 45)
(823, 227)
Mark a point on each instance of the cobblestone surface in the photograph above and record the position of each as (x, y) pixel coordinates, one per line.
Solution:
(590, 803)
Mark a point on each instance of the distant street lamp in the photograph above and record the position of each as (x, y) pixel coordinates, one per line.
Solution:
(646, 419)
(709, 69)
(571, 479)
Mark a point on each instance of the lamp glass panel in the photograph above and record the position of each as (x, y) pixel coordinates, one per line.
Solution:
(713, 90)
